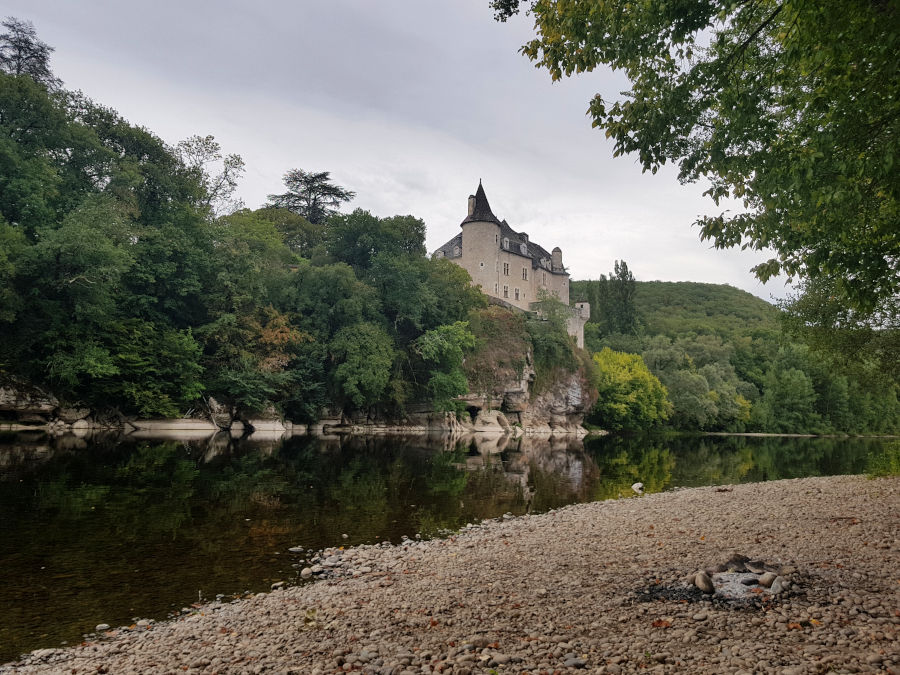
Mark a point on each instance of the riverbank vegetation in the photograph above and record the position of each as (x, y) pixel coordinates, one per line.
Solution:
(731, 362)
(131, 279)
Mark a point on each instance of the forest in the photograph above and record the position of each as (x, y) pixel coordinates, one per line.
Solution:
(132, 281)
(727, 361)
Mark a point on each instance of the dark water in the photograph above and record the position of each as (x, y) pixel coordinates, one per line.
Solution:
(109, 530)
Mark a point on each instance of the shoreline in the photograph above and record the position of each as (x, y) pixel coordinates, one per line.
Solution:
(536, 593)
(273, 429)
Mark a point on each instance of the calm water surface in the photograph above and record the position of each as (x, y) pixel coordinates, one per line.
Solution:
(109, 530)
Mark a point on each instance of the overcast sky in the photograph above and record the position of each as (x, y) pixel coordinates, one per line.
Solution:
(407, 102)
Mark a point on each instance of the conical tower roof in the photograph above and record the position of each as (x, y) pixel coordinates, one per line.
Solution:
(482, 212)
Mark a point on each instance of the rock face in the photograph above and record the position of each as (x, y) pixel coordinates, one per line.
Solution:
(559, 408)
(72, 415)
(27, 403)
(509, 409)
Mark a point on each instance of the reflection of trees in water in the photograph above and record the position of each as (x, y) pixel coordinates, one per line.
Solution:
(369, 488)
(683, 460)
(623, 461)
(743, 459)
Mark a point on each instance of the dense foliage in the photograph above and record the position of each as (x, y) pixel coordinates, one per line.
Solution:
(131, 280)
(791, 108)
(629, 396)
(726, 365)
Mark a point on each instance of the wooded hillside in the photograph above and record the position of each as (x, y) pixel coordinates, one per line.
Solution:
(725, 362)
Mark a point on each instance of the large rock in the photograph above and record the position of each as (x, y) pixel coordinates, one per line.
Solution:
(562, 406)
(220, 414)
(71, 415)
(29, 403)
(491, 420)
(703, 582)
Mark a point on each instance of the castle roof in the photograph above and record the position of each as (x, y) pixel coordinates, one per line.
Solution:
(516, 239)
(518, 242)
(449, 250)
(482, 212)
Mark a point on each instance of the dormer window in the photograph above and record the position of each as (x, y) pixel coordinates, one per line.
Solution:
(440, 254)
(523, 248)
(456, 251)
(506, 243)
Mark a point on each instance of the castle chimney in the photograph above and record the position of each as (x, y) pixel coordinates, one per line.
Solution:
(471, 204)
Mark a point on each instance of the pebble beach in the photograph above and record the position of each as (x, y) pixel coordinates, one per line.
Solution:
(605, 587)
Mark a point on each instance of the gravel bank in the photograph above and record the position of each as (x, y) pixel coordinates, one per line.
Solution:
(589, 588)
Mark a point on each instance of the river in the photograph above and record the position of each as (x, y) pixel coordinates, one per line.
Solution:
(109, 530)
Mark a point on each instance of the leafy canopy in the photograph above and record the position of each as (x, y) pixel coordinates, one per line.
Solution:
(629, 395)
(790, 107)
(22, 53)
(311, 194)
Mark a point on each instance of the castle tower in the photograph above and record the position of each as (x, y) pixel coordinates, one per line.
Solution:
(480, 240)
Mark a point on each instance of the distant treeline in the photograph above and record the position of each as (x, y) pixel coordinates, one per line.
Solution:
(726, 363)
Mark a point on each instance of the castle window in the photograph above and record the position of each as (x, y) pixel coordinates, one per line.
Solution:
(481, 264)
(496, 288)
(439, 254)
(506, 269)
(525, 273)
(544, 278)
(517, 294)
(506, 291)
(496, 238)
(506, 242)
(456, 251)
(523, 248)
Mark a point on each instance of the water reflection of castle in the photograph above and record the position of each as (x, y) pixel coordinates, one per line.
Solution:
(555, 470)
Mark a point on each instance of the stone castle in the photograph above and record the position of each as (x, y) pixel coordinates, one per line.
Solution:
(508, 266)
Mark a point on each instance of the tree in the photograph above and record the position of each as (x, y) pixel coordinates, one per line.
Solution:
(311, 195)
(850, 339)
(793, 108)
(359, 238)
(12, 245)
(629, 395)
(22, 53)
(552, 345)
(623, 316)
(201, 155)
(443, 349)
(298, 234)
(364, 353)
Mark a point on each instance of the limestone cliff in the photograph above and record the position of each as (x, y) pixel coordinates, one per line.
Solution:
(508, 406)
